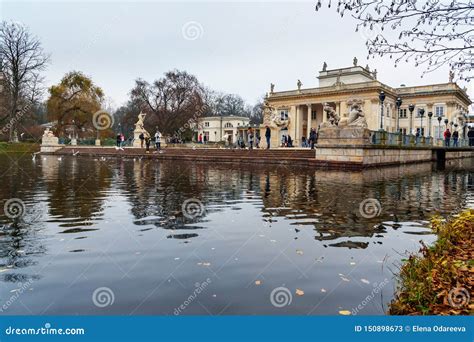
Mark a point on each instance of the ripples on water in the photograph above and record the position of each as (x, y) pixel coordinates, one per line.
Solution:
(119, 224)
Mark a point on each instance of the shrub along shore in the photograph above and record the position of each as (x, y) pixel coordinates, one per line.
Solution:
(19, 147)
(440, 280)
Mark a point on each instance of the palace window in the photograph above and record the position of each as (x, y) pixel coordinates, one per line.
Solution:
(403, 113)
(228, 125)
(313, 115)
(284, 114)
(206, 124)
(439, 111)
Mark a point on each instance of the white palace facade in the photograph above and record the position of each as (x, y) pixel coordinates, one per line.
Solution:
(295, 112)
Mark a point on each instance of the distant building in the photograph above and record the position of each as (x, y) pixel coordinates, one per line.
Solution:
(219, 128)
(294, 112)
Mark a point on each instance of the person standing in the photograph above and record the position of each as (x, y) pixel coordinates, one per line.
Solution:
(250, 138)
(142, 139)
(122, 140)
(470, 135)
(257, 141)
(158, 140)
(447, 137)
(268, 134)
(200, 138)
(455, 138)
(205, 139)
(147, 144)
(119, 140)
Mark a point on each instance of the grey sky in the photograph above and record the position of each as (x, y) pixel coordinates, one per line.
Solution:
(241, 48)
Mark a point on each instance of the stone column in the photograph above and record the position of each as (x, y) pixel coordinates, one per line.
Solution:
(343, 109)
(297, 126)
(309, 120)
(325, 117)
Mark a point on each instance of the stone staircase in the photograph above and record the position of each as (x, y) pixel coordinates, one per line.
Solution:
(293, 156)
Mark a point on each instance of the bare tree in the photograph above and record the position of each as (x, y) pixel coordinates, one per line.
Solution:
(172, 100)
(430, 33)
(22, 58)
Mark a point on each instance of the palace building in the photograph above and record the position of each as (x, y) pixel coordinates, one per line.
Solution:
(295, 112)
(222, 128)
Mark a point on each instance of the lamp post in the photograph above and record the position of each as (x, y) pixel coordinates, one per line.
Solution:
(430, 115)
(439, 127)
(382, 99)
(422, 113)
(411, 108)
(399, 104)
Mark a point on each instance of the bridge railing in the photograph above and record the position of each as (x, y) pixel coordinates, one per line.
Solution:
(398, 139)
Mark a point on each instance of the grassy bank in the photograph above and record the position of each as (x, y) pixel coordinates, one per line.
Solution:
(18, 147)
(440, 280)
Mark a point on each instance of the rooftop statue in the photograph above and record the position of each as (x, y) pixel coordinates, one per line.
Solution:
(354, 61)
(325, 66)
(299, 84)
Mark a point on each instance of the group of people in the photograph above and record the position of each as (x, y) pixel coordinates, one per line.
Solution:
(147, 140)
(448, 135)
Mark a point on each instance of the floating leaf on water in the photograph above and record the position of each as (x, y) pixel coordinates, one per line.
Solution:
(345, 279)
(258, 282)
(344, 312)
(352, 263)
(176, 258)
(299, 252)
(323, 290)
(4, 270)
(206, 264)
(299, 292)
(365, 281)
(273, 240)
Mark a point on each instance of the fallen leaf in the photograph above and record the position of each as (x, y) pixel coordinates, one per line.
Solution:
(344, 312)
(257, 282)
(206, 264)
(345, 279)
(323, 290)
(353, 263)
(299, 252)
(365, 281)
(299, 292)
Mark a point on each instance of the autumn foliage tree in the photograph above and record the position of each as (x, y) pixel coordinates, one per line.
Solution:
(430, 34)
(73, 103)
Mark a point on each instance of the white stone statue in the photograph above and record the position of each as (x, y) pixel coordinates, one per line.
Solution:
(331, 114)
(139, 129)
(48, 133)
(356, 115)
(299, 84)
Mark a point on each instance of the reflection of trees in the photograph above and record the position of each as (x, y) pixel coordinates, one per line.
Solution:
(19, 241)
(77, 189)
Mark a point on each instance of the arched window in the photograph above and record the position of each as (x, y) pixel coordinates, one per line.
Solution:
(228, 125)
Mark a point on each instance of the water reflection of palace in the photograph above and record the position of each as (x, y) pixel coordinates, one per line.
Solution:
(72, 195)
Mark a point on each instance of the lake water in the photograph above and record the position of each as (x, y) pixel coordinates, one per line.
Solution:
(130, 237)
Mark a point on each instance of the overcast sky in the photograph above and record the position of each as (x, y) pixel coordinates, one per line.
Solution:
(231, 47)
